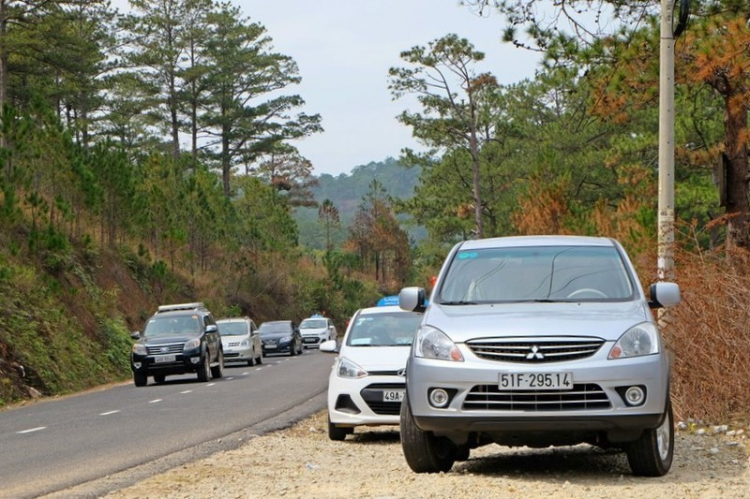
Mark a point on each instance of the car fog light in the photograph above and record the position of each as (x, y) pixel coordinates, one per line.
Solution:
(137, 365)
(634, 395)
(439, 398)
(195, 360)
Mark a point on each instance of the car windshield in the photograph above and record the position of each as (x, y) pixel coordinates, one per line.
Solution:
(175, 325)
(539, 273)
(313, 324)
(384, 329)
(232, 328)
(274, 328)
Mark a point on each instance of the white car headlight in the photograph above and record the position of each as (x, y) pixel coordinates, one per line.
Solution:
(244, 343)
(432, 343)
(641, 339)
(348, 369)
(191, 344)
(139, 349)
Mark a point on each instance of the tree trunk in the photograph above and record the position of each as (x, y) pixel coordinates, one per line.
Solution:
(735, 148)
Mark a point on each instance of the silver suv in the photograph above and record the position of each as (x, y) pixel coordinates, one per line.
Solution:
(538, 341)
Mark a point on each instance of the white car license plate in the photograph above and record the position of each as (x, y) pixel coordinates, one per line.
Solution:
(393, 395)
(536, 381)
(164, 358)
(270, 347)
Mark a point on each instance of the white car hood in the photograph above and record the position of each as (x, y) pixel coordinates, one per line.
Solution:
(378, 358)
(313, 331)
(604, 320)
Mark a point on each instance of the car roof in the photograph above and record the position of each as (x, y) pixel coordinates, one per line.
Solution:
(233, 319)
(276, 322)
(519, 241)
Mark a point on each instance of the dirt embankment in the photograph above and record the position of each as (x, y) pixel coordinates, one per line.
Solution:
(302, 462)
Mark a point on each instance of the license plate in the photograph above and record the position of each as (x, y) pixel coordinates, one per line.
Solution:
(270, 347)
(164, 358)
(393, 395)
(536, 381)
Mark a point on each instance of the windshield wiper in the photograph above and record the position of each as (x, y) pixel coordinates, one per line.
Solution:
(458, 302)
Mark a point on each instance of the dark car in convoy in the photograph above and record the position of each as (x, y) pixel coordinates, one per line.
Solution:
(178, 339)
(280, 337)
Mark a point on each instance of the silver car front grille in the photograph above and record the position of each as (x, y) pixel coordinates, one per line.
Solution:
(534, 350)
(582, 397)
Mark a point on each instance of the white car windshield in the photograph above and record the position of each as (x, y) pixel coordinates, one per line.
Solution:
(547, 273)
(384, 329)
(232, 328)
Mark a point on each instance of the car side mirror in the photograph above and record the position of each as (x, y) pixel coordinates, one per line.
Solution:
(664, 294)
(330, 346)
(212, 328)
(412, 299)
(136, 335)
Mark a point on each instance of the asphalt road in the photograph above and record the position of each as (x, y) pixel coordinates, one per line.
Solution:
(90, 443)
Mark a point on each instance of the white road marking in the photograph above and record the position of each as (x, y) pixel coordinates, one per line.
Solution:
(108, 413)
(155, 401)
(31, 430)
(211, 384)
(229, 378)
(187, 391)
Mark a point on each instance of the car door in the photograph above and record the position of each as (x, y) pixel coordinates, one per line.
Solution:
(255, 338)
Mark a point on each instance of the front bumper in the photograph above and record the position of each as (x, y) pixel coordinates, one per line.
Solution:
(596, 403)
(234, 354)
(180, 363)
(361, 402)
(313, 340)
(277, 347)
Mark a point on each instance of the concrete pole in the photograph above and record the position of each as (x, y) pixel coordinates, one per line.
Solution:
(666, 144)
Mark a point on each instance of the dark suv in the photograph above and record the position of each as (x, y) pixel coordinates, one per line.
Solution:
(178, 339)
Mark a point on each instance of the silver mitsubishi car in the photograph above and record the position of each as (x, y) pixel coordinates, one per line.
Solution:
(538, 341)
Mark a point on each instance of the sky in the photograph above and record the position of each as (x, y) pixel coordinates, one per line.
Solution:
(344, 49)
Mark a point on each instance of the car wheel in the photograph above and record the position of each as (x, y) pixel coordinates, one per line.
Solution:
(217, 371)
(159, 378)
(140, 379)
(335, 432)
(292, 350)
(652, 453)
(204, 369)
(424, 452)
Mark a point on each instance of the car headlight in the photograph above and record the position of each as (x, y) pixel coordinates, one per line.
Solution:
(285, 339)
(432, 343)
(140, 349)
(244, 343)
(639, 340)
(192, 344)
(348, 369)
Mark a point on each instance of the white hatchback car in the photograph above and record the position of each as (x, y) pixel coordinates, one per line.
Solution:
(366, 385)
(315, 330)
(240, 341)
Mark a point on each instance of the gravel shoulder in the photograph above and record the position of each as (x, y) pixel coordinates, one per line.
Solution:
(300, 461)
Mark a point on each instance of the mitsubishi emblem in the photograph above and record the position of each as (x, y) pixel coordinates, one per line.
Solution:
(535, 354)
(164, 349)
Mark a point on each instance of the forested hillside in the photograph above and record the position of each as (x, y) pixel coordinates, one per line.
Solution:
(347, 192)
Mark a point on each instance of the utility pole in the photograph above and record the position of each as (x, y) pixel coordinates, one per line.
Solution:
(671, 28)
(665, 262)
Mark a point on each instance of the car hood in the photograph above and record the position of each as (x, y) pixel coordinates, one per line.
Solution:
(378, 358)
(313, 331)
(167, 340)
(274, 336)
(235, 338)
(604, 320)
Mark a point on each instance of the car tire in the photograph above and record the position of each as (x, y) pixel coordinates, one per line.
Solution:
(292, 350)
(424, 452)
(159, 378)
(652, 453)
(140, 379)
(217, 371)
(336, 433)
(204, 369)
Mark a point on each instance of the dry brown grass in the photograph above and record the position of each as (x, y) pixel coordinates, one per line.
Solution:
(710, 337)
